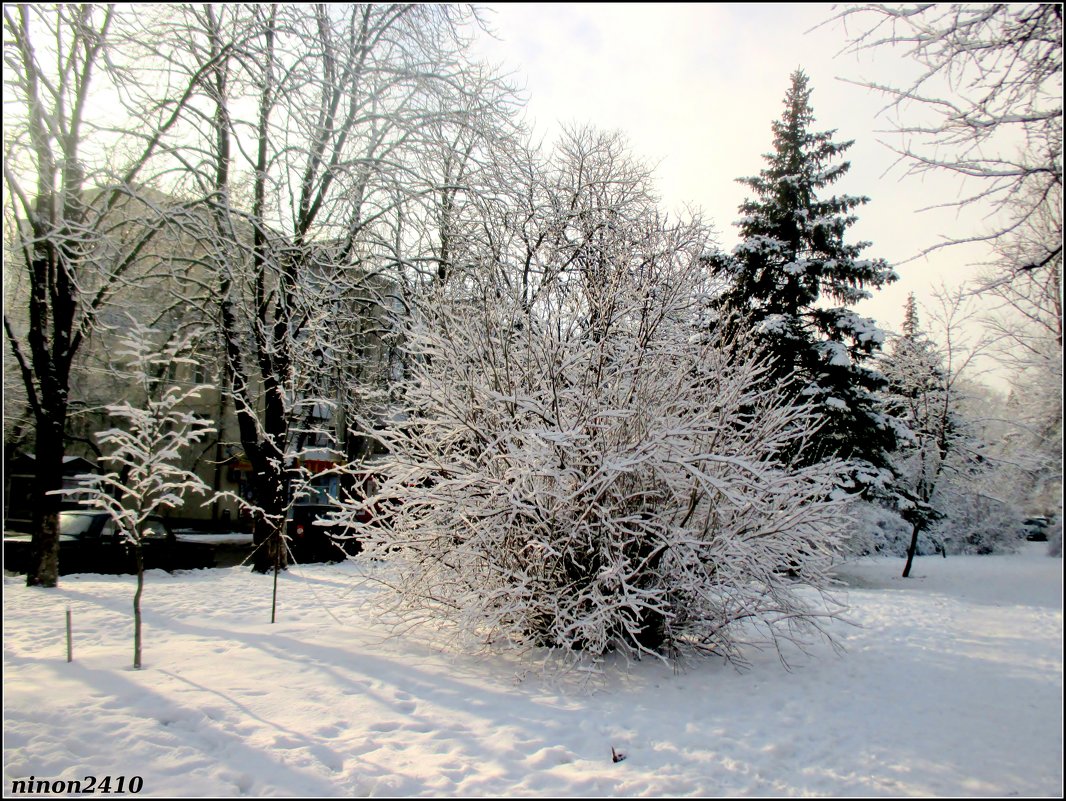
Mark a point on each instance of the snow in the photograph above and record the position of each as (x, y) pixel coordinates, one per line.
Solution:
(836, 353)
(220, 538)
(951, 684)
(774, 324)
(864, 329)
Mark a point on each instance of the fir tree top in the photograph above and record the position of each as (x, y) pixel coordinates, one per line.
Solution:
(794, 251)
(911, 326)
(800, 161)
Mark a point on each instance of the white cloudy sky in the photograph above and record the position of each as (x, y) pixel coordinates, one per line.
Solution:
(695, 87)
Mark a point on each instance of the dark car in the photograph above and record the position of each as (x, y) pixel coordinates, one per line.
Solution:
(89, 542)
(1035, 529)
(312, 540)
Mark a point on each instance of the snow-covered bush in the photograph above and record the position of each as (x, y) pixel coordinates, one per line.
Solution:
(975, 523)
(560, 489)
(1054, 537)
(581, 466)
(878, 531)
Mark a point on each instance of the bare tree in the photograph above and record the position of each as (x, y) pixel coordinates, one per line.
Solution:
(305, 127)
(1025, 285)
(991, 83)
(1025, 282)
(80, 227)
(458, 158)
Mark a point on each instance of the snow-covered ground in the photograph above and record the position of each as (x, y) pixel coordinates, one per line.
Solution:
(951, 684)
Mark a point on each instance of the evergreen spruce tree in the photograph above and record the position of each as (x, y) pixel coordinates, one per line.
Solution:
(914, 373)
(917, 393)
(912, 329)
(793, 276)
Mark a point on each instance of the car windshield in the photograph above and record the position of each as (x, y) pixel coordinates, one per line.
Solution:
(71, 525)
(154, 530)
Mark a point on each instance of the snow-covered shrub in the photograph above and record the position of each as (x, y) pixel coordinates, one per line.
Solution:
(584, 467)
(1054, 537)
(977, 524)
(878, 531)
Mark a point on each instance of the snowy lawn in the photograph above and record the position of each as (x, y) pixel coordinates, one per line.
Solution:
(950, 685)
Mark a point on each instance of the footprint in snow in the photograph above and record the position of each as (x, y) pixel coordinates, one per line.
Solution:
(550, 757)
(385, 725)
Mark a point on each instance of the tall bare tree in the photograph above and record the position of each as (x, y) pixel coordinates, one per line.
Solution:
(1025, 281)
(305, 129)
(990, 80)
(990, 86)
(78, 222)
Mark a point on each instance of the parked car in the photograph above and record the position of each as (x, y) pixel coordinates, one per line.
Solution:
(90, 543)
(230, 548)
(1035, 529)
(313, 541)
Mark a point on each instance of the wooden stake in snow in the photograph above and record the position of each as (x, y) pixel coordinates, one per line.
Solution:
(277, 565)
(70, 645)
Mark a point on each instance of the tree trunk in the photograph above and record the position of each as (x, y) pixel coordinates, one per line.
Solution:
(44, 567)
(270, 497)
(916, 529)
(137, 606)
